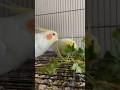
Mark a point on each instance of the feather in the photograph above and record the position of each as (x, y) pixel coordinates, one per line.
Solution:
(16, 42)
(42, 44)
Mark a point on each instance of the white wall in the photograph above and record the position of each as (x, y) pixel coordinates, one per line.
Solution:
(67, 17)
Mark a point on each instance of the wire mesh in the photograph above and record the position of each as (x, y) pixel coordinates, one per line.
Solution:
(67, 17)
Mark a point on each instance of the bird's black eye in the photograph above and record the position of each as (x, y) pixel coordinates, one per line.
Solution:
(53, 33)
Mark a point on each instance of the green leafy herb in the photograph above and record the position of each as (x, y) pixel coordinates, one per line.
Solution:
(74, 57)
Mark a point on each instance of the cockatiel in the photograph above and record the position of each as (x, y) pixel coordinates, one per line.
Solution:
(43, 40)
(16, 41)
(63, 44)
(16, 37)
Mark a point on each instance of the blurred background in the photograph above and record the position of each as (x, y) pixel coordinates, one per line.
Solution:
(21, 78)
(22, 3)
(102, 18)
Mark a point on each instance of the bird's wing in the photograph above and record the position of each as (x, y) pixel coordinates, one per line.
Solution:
(8, 60)
(16, 44)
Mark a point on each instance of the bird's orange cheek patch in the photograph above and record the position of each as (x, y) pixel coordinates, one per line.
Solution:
(49, 36)
(31, 25)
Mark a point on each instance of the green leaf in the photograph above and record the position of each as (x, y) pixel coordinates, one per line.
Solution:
(70, 48)
(49, 69)
(78, 68)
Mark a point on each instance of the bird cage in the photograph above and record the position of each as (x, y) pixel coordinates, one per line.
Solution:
(67, 18)
(70, 19)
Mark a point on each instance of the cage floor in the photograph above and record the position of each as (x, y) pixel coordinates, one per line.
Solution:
(63, 80)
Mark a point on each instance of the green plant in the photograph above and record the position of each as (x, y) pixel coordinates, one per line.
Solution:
(104, 74)
(75, 57)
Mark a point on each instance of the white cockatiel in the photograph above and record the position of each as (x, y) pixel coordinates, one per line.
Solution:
(16, 41)
(44, 38)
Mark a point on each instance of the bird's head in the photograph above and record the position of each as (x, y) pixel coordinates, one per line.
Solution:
(51, 36)
(48, 35)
